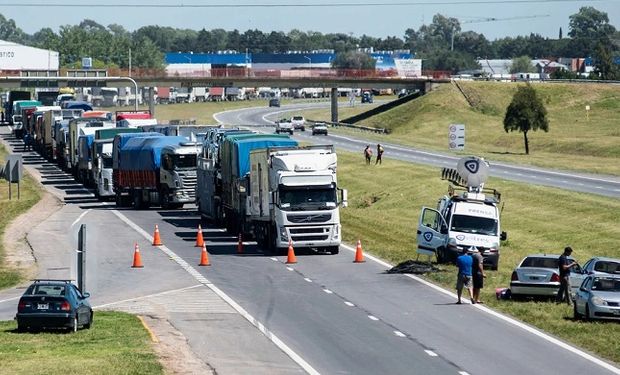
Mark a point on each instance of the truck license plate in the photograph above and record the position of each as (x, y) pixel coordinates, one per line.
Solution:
(43, 306)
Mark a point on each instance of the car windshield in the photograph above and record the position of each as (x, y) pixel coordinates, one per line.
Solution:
(297, 118)
(607, 267)
(185, 161)
(474, 224)
(539, 262)
(46, 289)
(606, 285)
(307, 198)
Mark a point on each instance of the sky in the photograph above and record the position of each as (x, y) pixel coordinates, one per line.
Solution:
(375, 18)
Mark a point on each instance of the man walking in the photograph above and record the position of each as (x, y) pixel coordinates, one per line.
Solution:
(368, 154)
(477, 271)
(564, 266)
(379, 154)
(463, 279)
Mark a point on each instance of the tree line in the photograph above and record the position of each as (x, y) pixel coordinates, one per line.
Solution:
(442, 43)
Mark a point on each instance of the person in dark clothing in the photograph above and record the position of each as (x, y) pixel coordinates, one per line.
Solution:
(379, 154)
(368, 154)
(564, 266)
(477, 271)
(27, 142)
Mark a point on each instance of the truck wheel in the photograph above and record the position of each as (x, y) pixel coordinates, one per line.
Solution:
(165, 200)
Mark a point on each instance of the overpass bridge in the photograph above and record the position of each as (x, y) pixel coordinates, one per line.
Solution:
(331, 79)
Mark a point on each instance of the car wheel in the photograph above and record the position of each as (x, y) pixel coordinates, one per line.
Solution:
(90, 321)
(21, 328)
(576, 314)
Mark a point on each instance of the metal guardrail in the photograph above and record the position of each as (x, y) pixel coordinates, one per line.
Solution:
(356, 127)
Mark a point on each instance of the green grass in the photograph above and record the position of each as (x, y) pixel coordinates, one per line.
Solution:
(573, 142)
(29, 196)
(384, 208)
(117, 344)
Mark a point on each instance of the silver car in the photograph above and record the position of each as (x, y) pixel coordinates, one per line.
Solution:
(598, 298)
(539, 275)
(600, 266)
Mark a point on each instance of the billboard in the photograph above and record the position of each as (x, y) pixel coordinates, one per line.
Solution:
(15, 56)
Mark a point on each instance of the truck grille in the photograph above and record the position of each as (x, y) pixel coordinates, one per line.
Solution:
(189, 181)
(309, 238)
(319, 218)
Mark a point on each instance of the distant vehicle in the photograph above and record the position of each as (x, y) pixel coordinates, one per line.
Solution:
(598, 297)
(275, 102)
(367, 97)
(285, 126)
(299, 123)
(538, 275)
(600, 266)
(319, 128)
(53, 304)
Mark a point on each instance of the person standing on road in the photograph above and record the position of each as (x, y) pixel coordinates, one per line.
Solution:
(477, 270)
(463, 279)
(368, 154)
(564, 266)
(379, 154)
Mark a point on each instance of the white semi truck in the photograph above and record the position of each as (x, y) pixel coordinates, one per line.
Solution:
(294, 197)
(467, 217)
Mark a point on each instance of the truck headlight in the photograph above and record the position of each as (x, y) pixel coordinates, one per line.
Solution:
(336, 231)
(598, 301)
(283, 234)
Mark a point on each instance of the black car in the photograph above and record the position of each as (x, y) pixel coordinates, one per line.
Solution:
(275, 102)
(53, 304)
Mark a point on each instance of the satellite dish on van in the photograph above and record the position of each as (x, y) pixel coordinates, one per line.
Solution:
(473, 170)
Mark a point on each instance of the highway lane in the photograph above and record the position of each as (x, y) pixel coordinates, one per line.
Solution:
(262, 118)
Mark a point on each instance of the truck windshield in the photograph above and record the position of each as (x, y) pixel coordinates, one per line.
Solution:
(107, 162)
(307, 198)
(185, 161)
(474, 224)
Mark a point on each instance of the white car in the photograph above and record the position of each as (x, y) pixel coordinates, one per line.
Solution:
(598, 298)
(539, 275)
(284, 126)
(319, 128)
(299, 123)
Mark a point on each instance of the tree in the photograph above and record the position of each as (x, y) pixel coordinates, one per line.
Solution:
(604, 67)
(522, 64)
(526, 112)
(453, 61)
(353, 60)
(588, 27)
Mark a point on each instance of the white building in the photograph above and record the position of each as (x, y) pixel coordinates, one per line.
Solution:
(17, 57)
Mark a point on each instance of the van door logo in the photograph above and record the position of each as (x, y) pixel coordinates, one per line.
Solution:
(472, 166)
(428, 236)
(460, 237)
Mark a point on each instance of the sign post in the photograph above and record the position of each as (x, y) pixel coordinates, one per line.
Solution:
(587, 113)
(13, 172)
(456, 137)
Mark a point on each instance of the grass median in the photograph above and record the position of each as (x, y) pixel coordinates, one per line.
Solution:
(384, 207)
(117, 344)
(12, 208)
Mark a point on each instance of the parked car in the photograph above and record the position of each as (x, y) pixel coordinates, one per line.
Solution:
(600, 266)
(538, 275)
(299, 123)
(275, 102)
(53, 304)
(367, 97)
(319, 128)
(598, 298)
(284, 125)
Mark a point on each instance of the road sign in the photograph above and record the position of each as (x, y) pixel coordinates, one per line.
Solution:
(13, 170)
(456, 137)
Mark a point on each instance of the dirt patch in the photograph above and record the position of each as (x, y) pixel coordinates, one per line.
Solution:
(175, 354)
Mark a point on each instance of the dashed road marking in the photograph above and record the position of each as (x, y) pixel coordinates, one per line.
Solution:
(372, 317)
(399, 334)
(307, 279)
(349, 303)
(328, 291)
(431, 353)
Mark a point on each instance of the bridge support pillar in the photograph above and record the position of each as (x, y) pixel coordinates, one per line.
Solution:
(151, 97)
(334, 99)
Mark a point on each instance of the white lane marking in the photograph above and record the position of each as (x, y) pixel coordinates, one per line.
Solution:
(463, 373)
(10, 299)
(274, 259)
(399, 334)
(328, 291)
(372, 317)
(307, 279)
(147, 296)
(598, 187)
(349, 303)
(290, 268)
(503, 317)
(255, 322)
(81, 216)
(431, 353)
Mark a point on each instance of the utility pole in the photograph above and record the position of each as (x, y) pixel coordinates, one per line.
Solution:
(129, 73)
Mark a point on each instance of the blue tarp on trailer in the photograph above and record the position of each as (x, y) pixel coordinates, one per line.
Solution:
(75, 104)
(243, 146)
(121, 139)
(84, 145)
(144, 153)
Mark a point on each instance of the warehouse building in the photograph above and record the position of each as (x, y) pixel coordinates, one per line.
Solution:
(17, 59)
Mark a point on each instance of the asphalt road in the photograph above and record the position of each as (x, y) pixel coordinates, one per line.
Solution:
(324, 314)
(262, 119)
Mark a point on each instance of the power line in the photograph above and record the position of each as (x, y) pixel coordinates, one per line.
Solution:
(291, 5)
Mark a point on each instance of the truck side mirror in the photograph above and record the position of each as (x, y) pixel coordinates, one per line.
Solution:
(343, 198)
(503, 236)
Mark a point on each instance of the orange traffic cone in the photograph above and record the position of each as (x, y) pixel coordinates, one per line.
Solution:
(137, 259)
(204, 257)
(240, 245)
(359, 256)
(200, 242)
(156, 238)
(291, 259)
